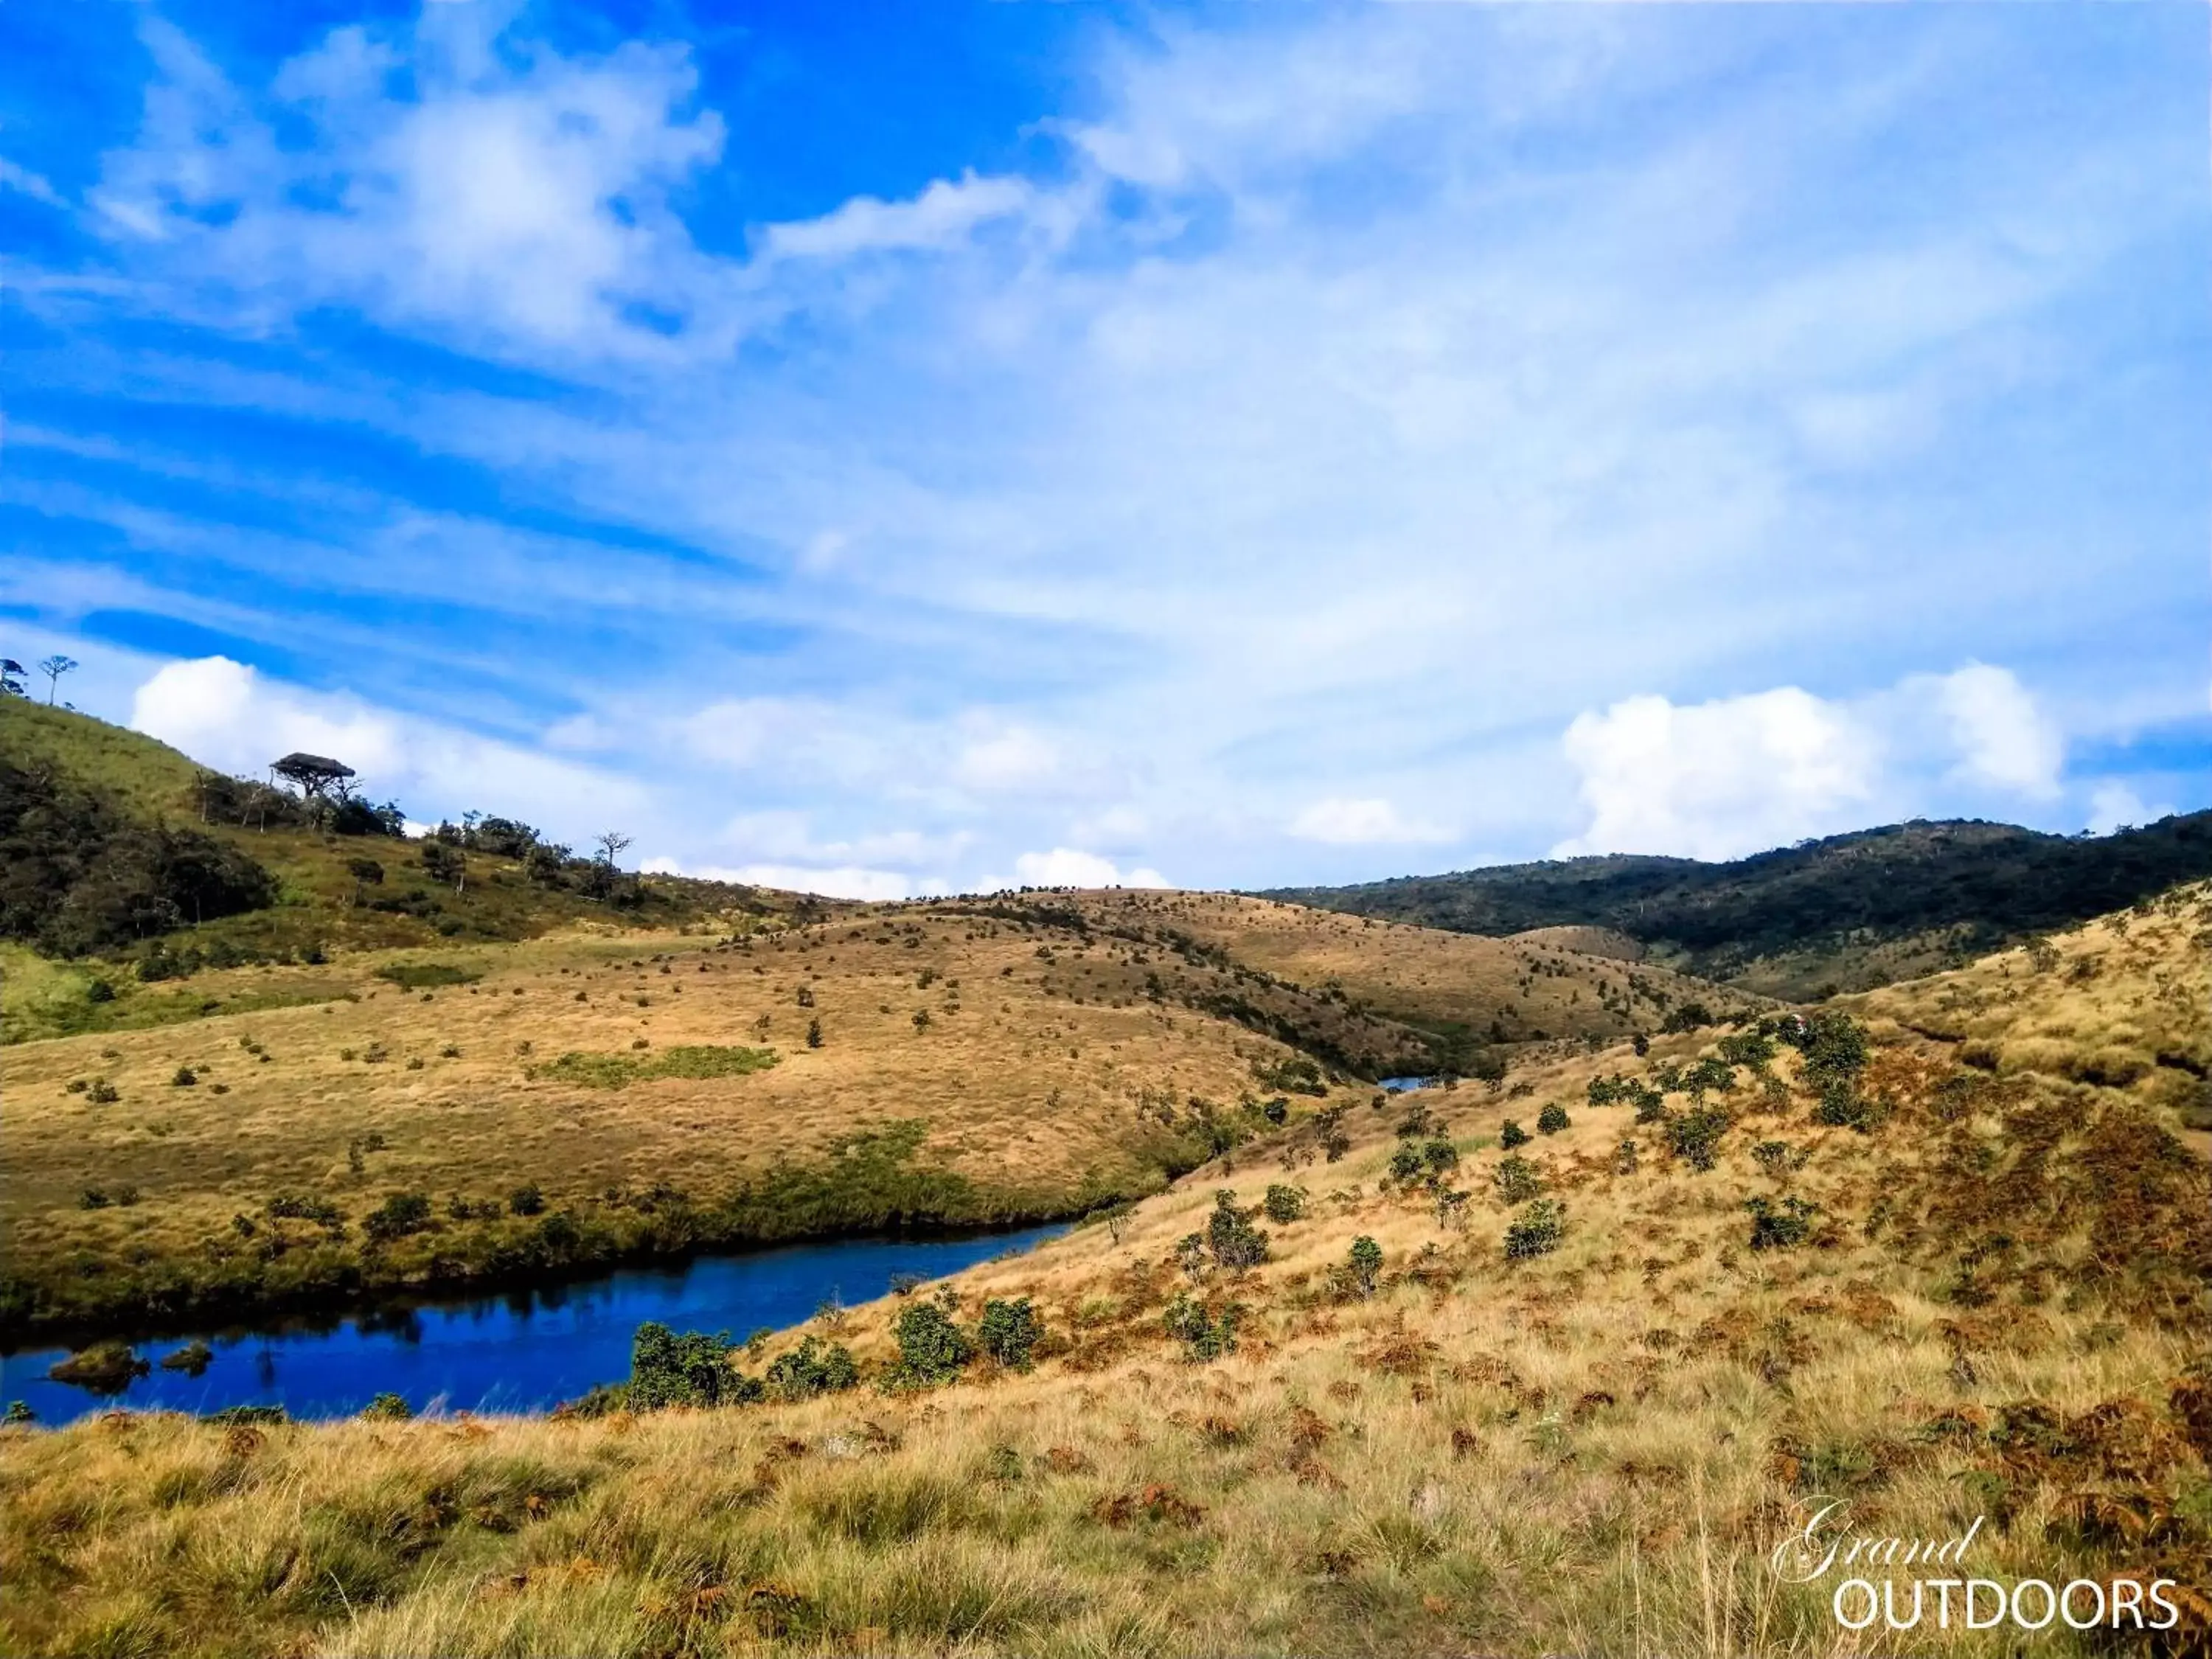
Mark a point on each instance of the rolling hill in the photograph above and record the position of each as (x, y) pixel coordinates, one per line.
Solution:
(1385, 1380)
(1843, 914)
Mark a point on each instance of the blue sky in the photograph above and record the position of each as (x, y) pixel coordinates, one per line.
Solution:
(888, 449)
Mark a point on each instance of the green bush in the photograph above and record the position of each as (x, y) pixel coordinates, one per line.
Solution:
(1285, 1204)
(1695, 1135)
(1230, 1237)
(931, 1348)
(1365, 1263)
(1517, 1180)
(1406, 1162)
(1777, 1228)
(814, 1367)
(185, 1078)
(1537, 1231)
(388, 1408)
(1552, 1119)
(526, 1200)
(1440, 1155)
(1203, 1336)
(1512, 1134)
(400, 1214)
(691, 1370)
(1009, 1331)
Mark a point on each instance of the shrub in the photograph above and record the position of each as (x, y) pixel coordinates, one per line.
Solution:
(526, 1200)
(1231, 1236)
(931, 1348)
(1512, 1134)
(691, 1370)
(185, 1078)
(1277, 1111)
(1754, 1048)
(814, 1033)
(1688, 1017)
(906, 1284)
(1406, 1162)
(388, 1408)
(1552, 1119)
(1774, 1228)
(1439, 1155)
(1517, 1180)
(297, 1206)
(1624, 1158)
(814, 1367)
(1772, 1155)
(1365, 1260)
(400, 1214)
(1203, 1336)
(99, 991)
(1651, 1103)
(1537, 1231)
(1285, 1205)
(18, 1412)
(102, 1092)
(1695, 1136)
(1009, 1331)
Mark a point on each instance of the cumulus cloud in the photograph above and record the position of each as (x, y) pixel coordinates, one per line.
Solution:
(2003, 738)
(1721, 779)
(1345, 822)
(227, 715)
(1066, 866)
(2114, 806)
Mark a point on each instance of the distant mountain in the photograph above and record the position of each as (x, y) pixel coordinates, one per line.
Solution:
(1845, 914)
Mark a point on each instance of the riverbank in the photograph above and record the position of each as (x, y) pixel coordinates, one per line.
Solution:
(872, 1187)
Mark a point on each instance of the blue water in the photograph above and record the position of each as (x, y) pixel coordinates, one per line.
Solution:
(523, 1351)
(1400, 1085)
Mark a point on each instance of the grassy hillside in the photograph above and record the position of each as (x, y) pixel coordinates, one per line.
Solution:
(1844, 914)
(977, 1059)
(1462, 996)
(1934, 1259)
(108, 834)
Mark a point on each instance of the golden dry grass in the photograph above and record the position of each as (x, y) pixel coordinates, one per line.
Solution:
(1592, 1451)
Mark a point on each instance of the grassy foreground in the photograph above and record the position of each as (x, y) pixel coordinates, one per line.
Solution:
(1995, 1311)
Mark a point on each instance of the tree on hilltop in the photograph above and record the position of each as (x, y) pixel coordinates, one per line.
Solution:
(315, 775)
(11, 679)
(54, 668)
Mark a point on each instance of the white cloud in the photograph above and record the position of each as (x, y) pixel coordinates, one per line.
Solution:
(16, 177)
(2002, 736)
(942, 216)
(1345, 822)
(2113, 806)
(226, 715)
(1721, 779)
(1012, 759)
(510, 201)
(1066, 866)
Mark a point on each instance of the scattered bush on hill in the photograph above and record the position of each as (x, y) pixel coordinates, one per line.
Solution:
(1538, 1231)
(1203, 1335)
(1009, 1331)
(933, 1350)
(814, 1367)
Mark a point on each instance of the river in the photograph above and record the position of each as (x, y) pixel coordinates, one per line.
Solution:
(522, 1352)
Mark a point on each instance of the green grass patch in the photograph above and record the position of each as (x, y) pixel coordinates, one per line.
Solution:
(617, 1071)
(426, 975)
